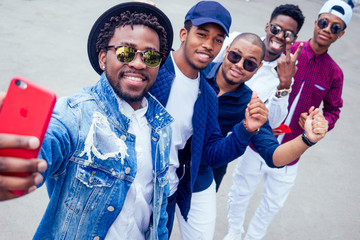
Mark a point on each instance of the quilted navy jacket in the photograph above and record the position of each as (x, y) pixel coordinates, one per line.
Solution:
(207, 141)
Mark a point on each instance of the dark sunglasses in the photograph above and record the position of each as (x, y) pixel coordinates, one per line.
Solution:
(335, 28)
(126, 54)
(276, 29)
(248, 65)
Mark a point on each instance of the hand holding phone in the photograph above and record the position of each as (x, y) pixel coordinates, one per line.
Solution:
(26, 111)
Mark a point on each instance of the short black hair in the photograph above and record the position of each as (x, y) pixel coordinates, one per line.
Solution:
(253, 39)
(290, 10)
(128, 18)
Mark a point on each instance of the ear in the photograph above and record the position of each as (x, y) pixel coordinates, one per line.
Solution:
(226, 50)
(267, 27)
(102, 59)
(341, 33)
(225, 53)
(183, 34)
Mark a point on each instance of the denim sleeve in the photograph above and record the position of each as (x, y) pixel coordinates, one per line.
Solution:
(59, 144)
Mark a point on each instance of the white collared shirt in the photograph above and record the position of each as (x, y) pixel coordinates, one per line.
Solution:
(134, 218)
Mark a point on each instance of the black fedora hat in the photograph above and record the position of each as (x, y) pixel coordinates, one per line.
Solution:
(138, 7)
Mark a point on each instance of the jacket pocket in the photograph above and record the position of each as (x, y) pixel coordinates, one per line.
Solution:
(88, 188)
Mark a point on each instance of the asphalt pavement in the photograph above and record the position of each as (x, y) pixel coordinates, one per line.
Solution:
(45, 41)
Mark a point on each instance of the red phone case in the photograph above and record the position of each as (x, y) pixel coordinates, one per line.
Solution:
(26, 110)
(284, 128)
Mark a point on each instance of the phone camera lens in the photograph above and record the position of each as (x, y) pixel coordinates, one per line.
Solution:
(20, 84)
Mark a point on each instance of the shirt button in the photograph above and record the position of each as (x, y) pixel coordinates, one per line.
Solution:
(127, 170)
(123, 137)
(110, 208)
(97, 238)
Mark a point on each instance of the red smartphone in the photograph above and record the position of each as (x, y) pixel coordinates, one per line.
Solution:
(26, 110)
(284, 128)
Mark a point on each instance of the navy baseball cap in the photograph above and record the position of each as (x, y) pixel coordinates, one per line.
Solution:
(209, 12)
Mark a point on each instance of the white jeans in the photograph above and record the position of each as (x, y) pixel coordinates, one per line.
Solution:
(202, 216)
(277, 183)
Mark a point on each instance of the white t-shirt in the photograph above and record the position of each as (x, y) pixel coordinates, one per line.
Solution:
(183, 94)
(134, 218)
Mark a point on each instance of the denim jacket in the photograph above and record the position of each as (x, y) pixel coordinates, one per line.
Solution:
(92, 163)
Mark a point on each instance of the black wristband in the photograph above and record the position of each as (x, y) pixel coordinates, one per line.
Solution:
(306, 140)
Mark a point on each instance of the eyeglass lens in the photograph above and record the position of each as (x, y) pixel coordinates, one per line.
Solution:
(335, 28)
(126, 54)
(248, 65)
(276, 29)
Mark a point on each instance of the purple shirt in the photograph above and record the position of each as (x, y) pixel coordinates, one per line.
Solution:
(323, 82)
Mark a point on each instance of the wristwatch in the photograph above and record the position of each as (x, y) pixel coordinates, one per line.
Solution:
(306, 140)
(282, 92)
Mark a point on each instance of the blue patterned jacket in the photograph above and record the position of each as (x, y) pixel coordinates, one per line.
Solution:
(207, 141)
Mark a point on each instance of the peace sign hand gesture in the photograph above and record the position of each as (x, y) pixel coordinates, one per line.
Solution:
(286, 65)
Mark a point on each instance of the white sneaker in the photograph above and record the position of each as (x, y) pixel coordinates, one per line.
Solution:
(233, 236)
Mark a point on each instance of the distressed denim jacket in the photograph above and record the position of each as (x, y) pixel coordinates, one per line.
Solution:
(92, 163)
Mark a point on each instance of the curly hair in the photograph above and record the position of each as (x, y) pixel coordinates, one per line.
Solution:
(290, 10)
(130, 19)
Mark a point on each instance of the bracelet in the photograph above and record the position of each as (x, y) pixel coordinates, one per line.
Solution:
(256, 130)
(306, 140)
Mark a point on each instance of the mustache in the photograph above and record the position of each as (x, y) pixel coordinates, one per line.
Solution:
(146, 78)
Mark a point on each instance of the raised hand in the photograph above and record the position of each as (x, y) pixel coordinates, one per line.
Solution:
(286, 65)
(316, 126)
(303, 117)
(256, 113)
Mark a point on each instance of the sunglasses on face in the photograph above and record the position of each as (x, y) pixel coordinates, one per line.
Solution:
(324, 23)
(248, 65)
(276, 29)
(126, 54)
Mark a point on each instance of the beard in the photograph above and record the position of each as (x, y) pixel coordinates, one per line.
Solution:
(122, 94)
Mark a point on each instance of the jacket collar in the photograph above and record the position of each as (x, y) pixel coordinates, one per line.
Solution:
(107, 99)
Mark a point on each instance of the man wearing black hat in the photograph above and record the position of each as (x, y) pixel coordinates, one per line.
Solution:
(107, 147)
(197, 142)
